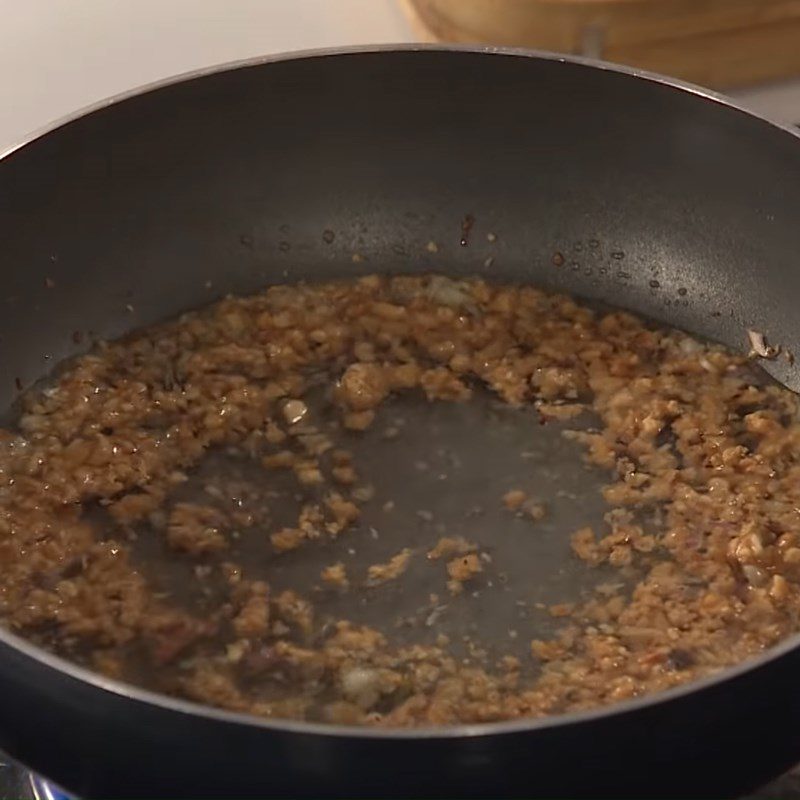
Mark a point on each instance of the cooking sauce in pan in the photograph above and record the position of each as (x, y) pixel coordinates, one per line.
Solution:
(404, 501)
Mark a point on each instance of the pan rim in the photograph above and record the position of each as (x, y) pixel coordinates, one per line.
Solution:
(129, 692)
(354, 50)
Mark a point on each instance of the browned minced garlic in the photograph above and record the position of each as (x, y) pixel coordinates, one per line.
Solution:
(391, 570)
(335, 576)
(196, 529)
(451, 545)
(514, 498)
(462, 569)
(253, 619)
(688, 434)
(536, 511)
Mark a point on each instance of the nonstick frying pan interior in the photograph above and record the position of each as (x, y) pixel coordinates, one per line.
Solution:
(621, 190)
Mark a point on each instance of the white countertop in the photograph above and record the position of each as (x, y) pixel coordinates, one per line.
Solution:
(57, 56)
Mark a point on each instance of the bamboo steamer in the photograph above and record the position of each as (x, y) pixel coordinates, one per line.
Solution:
(719, 43)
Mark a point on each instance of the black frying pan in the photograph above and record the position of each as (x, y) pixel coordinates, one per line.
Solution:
(659, 197)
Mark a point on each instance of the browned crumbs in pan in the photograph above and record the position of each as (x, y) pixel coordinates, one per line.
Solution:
(449, 545)
(335, 576)
(106, 447)
(462, 569)
(391, 570)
